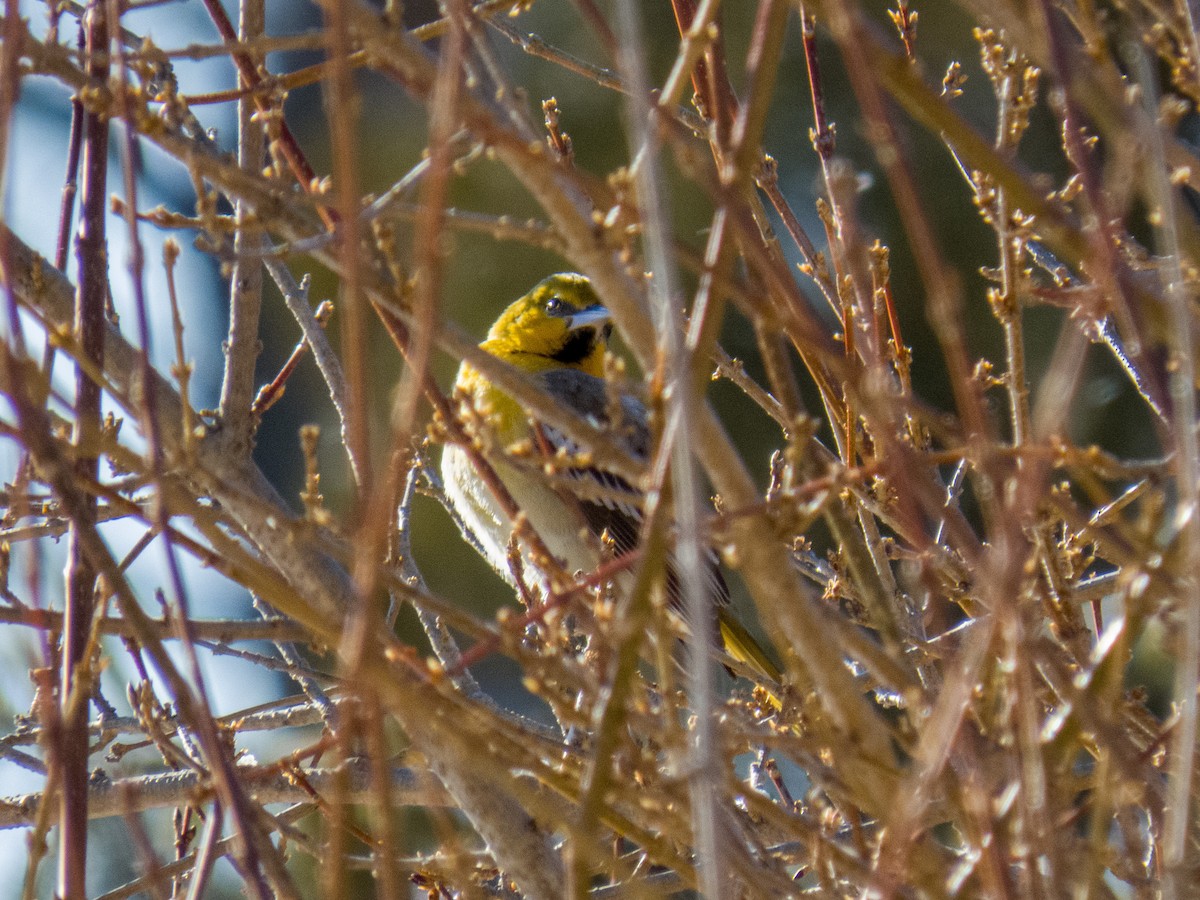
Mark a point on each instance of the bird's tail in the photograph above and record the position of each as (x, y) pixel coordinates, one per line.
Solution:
(741, 645)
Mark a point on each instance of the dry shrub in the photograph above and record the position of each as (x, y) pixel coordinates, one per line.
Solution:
(953, 575)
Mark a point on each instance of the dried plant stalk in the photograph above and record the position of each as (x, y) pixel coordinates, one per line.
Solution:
(960, 568)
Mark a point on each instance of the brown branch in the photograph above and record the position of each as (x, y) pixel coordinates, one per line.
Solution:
(222, 631)
(75, 683)
(246, 278)
(146, 792)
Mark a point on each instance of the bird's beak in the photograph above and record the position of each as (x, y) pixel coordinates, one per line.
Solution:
(588, 317)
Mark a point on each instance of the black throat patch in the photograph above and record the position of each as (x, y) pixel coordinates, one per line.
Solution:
(579, 346)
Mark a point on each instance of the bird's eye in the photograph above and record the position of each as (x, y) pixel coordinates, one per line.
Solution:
(556, 306)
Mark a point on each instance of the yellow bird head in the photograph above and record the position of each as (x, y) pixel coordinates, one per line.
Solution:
(560, 323)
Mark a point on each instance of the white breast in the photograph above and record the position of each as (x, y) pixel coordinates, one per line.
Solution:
(559, 524)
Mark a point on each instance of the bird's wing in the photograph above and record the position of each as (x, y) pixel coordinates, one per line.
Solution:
(608, 502)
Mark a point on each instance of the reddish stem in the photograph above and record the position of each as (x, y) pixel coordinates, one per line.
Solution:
(90, 298)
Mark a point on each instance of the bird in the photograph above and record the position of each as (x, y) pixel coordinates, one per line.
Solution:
(557, 334)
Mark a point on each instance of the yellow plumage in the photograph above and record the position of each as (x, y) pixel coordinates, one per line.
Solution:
(558, 326)
(557, 335)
